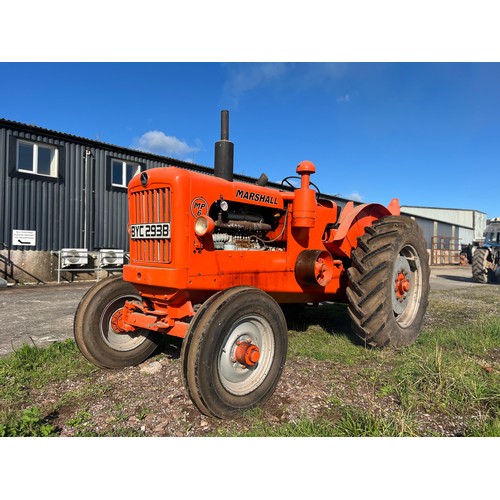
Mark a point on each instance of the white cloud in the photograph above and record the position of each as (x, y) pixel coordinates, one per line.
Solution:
(158, 142)
(251, 76)
(344, 98)
(245, 77)
(355, 196)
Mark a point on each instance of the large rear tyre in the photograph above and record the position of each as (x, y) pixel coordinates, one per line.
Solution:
(388, 283)
(482, 266)
(96, 332)
(234, 352)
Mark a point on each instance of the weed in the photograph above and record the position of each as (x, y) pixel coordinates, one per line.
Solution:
(28, 423)
(490, 427)
(142, 412)
(119, 413)
(80, 419)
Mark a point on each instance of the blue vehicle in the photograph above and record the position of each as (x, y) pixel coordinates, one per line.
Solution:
(486, 259)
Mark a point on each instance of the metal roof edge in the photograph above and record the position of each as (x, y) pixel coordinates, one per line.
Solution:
(444, 208)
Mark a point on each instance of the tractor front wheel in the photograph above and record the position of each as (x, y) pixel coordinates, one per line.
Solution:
(97, 327)
(388, 283)
(234, 351)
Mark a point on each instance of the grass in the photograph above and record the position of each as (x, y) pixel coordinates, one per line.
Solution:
(342, 421)
(32, 368)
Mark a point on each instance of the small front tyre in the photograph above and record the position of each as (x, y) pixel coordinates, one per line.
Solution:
(234, 352)
(96, 332)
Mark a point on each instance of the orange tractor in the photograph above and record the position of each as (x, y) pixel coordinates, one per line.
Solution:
(213, 261)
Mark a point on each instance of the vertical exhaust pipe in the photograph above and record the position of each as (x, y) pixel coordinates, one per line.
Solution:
(224, 150)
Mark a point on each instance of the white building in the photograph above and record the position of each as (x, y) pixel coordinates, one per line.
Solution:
(447, 230)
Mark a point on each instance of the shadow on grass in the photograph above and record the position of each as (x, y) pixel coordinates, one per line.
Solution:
(332, 317)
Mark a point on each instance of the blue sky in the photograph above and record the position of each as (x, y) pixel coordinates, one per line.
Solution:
(427, 133)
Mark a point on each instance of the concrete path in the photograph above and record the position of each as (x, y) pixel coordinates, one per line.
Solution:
(41, 314)
(38, 314)
(450, 277)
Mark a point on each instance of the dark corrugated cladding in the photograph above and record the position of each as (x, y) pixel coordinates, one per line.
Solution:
(39, 203)
(80, 208)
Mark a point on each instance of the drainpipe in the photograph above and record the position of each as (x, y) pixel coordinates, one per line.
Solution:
(87, 156)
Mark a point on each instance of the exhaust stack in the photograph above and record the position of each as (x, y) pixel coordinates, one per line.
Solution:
(224, 150)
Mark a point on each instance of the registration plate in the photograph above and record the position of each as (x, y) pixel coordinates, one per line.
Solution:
(158, 231)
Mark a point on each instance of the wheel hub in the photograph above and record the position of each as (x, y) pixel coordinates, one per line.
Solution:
(116, 321)
(115, 332)
(247, 354)
(402, 286)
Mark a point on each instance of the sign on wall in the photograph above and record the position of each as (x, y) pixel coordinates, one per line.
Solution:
(23, 237)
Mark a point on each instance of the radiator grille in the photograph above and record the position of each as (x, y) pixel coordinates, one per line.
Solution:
(150, 207)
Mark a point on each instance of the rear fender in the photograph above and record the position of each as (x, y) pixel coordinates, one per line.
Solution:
(352, 223)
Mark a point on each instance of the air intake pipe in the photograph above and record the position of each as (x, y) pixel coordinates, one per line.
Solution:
(224, 151)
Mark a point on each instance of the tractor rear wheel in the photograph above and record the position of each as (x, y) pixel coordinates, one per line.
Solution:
(481, 265)
(96, 329)
(234, 352)
(388, 283)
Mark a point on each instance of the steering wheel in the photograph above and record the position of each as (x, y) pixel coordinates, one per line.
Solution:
(288, 183)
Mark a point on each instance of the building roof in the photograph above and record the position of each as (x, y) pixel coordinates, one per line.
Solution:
(443, 208)
(92, 142)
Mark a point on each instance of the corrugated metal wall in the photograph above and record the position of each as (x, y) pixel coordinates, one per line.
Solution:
(465, 236)
(61, 210)
(427, 227)
(33, 202)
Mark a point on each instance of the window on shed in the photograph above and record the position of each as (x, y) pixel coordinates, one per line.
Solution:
(122, 172)
(37, 158)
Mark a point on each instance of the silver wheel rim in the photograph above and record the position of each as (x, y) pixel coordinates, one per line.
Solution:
(406, 305)
(119, 341)
(239, 379)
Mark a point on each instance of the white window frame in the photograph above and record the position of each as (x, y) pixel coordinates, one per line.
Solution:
(124, 171)
(54, 160)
